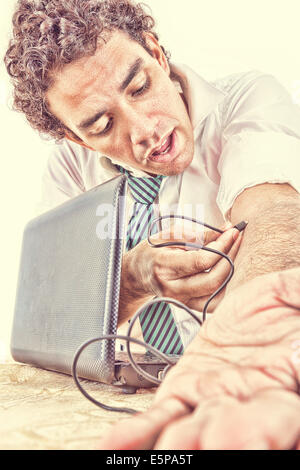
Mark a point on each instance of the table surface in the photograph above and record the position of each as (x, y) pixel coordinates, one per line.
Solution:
(44, 410)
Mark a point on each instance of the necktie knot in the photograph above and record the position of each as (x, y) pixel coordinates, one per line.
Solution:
(143, 190)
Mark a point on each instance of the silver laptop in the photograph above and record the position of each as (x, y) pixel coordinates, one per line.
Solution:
(68, 289)
(69, 283)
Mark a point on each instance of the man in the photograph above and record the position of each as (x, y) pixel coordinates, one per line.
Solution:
(93, 73)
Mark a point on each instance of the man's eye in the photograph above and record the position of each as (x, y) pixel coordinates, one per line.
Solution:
(105, 130)
(143, 89)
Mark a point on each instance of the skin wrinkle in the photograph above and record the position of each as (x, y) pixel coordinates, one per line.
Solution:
(295, 374)
(243, 388)
(282, 372)
(240, 364)
(259, 341)
(243, 382)
(265, 373)
(288, 305)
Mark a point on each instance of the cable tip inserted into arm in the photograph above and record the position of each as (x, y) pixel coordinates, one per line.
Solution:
(241, 226)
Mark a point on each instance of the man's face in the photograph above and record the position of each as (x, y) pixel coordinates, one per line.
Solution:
(122, 103)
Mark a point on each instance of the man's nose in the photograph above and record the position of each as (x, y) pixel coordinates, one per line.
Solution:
(143, 130)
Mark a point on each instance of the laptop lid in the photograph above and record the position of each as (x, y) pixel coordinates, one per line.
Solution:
(69, 283)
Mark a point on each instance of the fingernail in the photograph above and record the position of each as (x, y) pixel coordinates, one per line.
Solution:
(235, 234)
(241, 226)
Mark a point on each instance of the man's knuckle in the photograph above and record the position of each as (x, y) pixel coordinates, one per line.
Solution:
(158, 256)
(162, 285)
(159, 264)
(200, 263)
(213, 283)
(166, 292)
(157, 277)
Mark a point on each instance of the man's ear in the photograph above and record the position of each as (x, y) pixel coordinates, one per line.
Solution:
(156, 51)
(71, 136)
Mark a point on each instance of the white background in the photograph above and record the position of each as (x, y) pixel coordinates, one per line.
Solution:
(216, 38)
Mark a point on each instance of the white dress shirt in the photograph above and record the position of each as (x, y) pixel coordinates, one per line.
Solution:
(246, 132)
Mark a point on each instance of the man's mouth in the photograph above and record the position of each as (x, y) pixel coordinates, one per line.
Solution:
(166, 151)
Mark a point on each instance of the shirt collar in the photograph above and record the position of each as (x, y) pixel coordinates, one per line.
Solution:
(110, 166)
(202, 98)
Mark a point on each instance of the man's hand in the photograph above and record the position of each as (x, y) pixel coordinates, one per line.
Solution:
(176, 272)
(237, 385)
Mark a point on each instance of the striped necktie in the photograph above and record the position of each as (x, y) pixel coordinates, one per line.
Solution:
(157, 322)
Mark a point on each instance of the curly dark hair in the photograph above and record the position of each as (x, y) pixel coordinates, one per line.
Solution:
(48, 34)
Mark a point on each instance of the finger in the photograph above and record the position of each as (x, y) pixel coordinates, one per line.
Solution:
(189, 232)
(141, 431)
(184, 235)
(218, 274)
(267, 420)
(225, 241)
(233, 250)
(212, 235)
(183, 434)
(182, 264)
(199, 303)
(228, 424)
(202, 236)
(222, 268)
(221, 271)
(206, 283)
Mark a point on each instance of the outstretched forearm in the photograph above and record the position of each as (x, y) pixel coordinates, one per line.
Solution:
(237, 384)
(271, 241)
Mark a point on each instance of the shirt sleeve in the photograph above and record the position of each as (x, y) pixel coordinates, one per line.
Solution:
(62, 179)
(260, 138)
